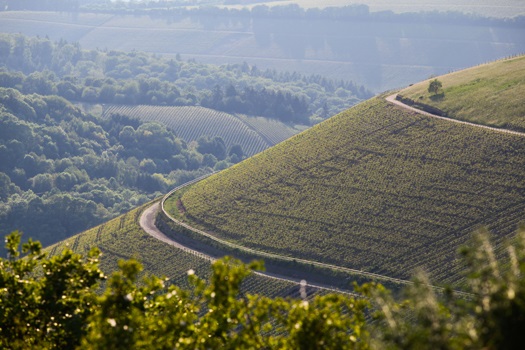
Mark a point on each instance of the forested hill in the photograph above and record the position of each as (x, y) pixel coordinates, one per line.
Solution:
(62, 171)
(376, 188)
(39, 65)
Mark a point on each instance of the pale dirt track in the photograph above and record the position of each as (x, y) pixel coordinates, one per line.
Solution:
(392, 99)
(147, 222)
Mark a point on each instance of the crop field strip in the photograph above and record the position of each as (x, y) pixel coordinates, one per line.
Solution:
(171, 241)
(122, 238)
(432, 185)
(272, 130)
(254, 134)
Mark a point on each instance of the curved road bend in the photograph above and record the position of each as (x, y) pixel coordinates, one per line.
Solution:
(392, 99)
(147, 223)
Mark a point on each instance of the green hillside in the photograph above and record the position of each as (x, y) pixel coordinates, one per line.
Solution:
(375, 188)
(123, 238)
(254, 134)
(490, 94)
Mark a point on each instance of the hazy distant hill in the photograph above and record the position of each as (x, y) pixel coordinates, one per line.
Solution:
(376, 188)
(501, 8)
(381, 51)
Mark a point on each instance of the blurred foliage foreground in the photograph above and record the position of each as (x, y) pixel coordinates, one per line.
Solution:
(58, 302)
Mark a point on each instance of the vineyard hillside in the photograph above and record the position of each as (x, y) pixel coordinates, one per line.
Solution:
(377, 188)
(254, 134)
(473, 94)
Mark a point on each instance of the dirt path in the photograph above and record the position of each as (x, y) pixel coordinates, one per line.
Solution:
(392, 99)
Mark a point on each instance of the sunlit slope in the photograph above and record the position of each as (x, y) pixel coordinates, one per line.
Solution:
(254, 134)
(122, 238)
(375, 188)
(490, 94)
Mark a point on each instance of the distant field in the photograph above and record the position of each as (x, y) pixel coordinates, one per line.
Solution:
(254, 134)
(380, 55)
(500, 8)
(122, 238)
(375, 188)
(473, 94)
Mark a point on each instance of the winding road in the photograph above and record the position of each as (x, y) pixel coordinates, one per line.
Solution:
(147, 222)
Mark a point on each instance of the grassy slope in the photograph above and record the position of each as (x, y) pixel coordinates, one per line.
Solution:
(254, 134)
(374, 188)
(122, 238)
(473, 94)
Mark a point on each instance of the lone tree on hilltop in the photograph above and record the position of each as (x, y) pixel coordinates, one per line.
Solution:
(434, 86)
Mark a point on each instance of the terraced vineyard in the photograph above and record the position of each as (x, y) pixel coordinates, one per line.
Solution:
(254, 134)
(472, 94)
(375, 188)
(123, 238)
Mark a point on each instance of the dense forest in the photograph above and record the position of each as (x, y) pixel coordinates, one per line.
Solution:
(39, 65)
(62, 171)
